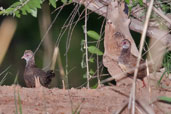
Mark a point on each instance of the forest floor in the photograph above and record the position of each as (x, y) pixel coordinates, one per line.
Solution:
(104, 100)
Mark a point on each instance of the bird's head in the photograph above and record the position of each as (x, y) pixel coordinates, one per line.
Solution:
(126, 44)
(28, 56)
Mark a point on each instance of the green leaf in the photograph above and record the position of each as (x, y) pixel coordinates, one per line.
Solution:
(127, 1)
(70, 1)
(134, 2)
(26, 7)
(9, 10)
(159, 81)
(24, 12)
(130, 9)
(53, 3)
(165, 99)
(23, 7)
(17, 13)
(140, 2)
(91, 60)
(85, 75)
(36, 3)
(31, 4)
(94, 50)
(93, 34)
(64, 1)
(92, 72)
(15, 4)
(34, 12)
(95, 86)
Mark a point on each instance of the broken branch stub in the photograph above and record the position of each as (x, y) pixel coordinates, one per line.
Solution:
(116, 29)
(121, 22)
(112, 51)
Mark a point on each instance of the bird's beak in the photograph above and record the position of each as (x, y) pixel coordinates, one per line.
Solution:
(23, 57)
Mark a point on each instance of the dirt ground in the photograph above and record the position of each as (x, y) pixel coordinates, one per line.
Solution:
(104, 100)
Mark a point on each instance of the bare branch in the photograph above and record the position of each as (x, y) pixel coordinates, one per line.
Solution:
(100, 7)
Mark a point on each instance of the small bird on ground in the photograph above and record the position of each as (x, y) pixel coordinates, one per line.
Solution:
(127, 61)
(32, 72)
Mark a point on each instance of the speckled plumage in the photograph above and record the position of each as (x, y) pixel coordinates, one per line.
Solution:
(127, 61)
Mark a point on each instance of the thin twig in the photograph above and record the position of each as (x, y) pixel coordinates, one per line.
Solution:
(70, 28)
(5, 70)
(86, 48)
(19, 7)
(119, 111)
(98, 45)
(133, 89)
(148, 78)
(63, 28)
(161, 14)
(135, 25)
(123, 75)
(46, 33)
(61, 71)
(54, 58)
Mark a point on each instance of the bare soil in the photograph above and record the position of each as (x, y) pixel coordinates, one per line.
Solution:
(104, 100)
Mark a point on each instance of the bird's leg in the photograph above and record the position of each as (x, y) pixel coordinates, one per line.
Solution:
(37, 82)
(63, 83)
(144, 85)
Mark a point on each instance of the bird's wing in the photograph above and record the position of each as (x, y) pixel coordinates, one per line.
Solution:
(39, 72)
(123, 67)
(29, 78)
(45, 77)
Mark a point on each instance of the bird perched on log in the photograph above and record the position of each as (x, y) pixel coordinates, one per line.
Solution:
(32, 72)
(127, 61)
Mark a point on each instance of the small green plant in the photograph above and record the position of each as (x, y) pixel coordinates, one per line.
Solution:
(167, 62)
(167, 66)
(19, 102)
(164, 99)
(17, 98)
(5, 76)
(78, 108)
(94, 37)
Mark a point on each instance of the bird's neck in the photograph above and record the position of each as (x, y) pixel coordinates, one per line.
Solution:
(125, 52)
(30, 62)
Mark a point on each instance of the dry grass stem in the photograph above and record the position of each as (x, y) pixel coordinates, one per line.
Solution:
(86, 48)
(140, 54)
(119, 111)
(148, 78)
(61, 70)
(161, 14)
(47, 31)
(54, 58)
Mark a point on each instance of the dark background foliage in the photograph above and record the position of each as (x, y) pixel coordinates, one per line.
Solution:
(27, 36)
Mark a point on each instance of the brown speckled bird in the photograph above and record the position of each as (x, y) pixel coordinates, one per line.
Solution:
(31, 71)
(127, 61)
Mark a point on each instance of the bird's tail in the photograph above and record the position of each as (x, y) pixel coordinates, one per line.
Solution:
(49, 75)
